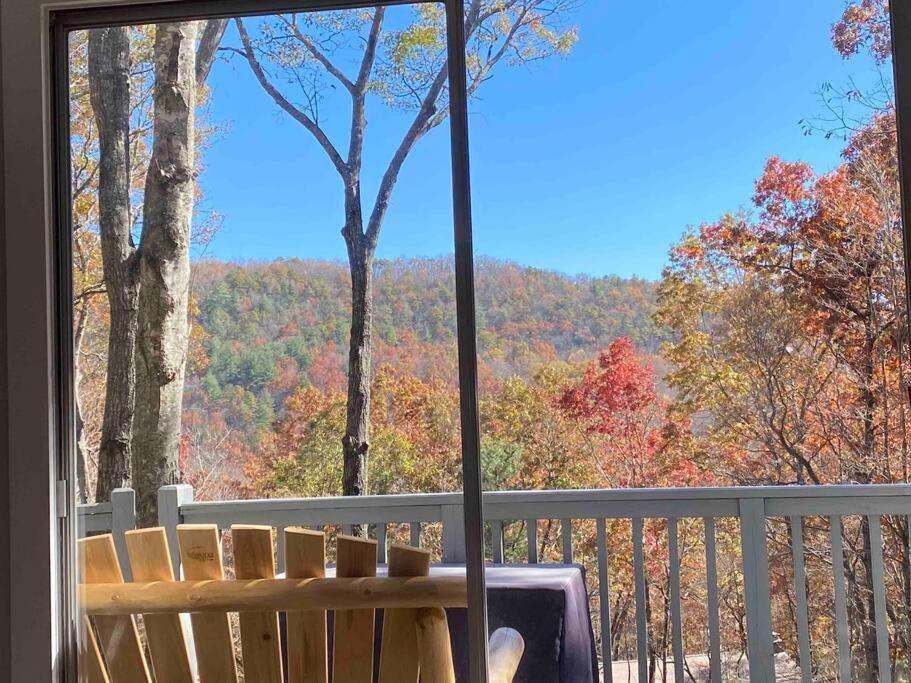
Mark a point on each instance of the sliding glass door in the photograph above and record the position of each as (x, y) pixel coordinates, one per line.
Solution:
(268, 311)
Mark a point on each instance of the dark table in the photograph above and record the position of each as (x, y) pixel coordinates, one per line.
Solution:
(546, 603)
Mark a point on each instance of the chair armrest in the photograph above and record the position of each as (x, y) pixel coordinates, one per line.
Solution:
(506, 649)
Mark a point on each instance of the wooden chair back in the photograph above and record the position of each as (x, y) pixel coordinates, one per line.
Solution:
(415, 638)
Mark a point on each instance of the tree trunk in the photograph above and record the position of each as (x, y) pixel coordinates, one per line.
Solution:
(82, 486)
(109, 86)
(355, 443)
(164, 269)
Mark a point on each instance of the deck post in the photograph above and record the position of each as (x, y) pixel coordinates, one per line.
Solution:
(756, 589)
(170, 498)
(123, 518)
(453, 533)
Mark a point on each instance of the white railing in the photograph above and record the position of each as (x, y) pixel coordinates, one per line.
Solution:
(116, 516)
(753, 506)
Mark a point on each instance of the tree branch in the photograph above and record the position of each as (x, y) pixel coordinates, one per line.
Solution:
(359, 93)
(318, 55)
(208, 48)
(283, 102)
(417, 130)
(426, 118)
(492, 61)
(370, 49)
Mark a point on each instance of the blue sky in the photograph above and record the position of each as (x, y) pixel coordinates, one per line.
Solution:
(594, 163)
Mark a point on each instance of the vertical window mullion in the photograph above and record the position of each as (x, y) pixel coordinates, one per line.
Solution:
(467, 343)
(900, 16)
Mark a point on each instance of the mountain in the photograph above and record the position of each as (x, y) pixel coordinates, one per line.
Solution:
(261, 329)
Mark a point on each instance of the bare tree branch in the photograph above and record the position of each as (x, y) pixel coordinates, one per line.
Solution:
(208, 48)
(415, 132)
(359, 93)
(283, 102)
(370, 50)
(318, 55)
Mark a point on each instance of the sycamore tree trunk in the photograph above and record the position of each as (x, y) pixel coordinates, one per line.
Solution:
(164, 269)
(109, 88)
(82, 486)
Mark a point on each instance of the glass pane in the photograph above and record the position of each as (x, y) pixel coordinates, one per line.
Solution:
(689, 274)
(264, 309)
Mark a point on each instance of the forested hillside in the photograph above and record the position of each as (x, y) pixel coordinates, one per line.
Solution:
(261, 330)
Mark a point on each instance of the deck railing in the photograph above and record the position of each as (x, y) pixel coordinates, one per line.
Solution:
(752, 506)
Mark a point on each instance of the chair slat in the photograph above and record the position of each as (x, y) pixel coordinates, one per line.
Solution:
(352, 657)
(259, 635)
(506, 649)
(150, 560)
(305, 558)
(91, 663)
(434, 648)
(399, 651)
(117, 636)
(200, 557)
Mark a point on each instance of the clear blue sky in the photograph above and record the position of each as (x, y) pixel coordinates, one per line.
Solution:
(659, 119)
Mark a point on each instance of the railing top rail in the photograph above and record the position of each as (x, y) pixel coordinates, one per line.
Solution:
(94, 508)
(554, 496)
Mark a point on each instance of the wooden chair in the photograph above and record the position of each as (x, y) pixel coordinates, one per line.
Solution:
(415, 637)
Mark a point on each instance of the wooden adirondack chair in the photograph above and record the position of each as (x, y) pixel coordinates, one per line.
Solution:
(415, 638)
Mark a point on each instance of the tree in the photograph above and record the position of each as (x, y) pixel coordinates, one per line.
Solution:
(109, 85)
(637, 442)
(88, 284)
(407, 68)
(121, 93)
(794, 318)
(164, 267)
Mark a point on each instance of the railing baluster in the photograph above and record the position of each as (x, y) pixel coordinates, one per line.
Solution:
(879, 599)
(604, 594)
(673, 546)
(842, 633)
(756, 589)
(348, 529)
(123, 519)
(531, 531)
(496, 540)
(415, 528)
(453, 520)
(280, 548)
(800, 592)
(711, 580)
(381, 542)
(566, 530)
(641, 624)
